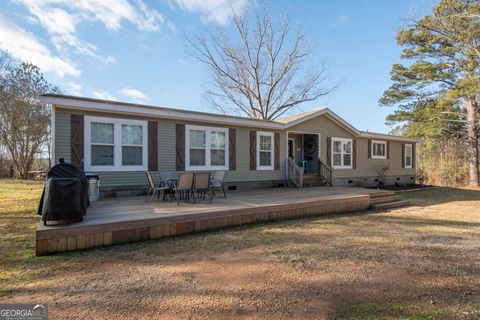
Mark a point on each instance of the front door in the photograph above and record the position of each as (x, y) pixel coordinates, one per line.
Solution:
(310, 152)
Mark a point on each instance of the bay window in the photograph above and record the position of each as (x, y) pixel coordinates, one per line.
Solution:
(379, 149)
(113, 144)
(341, 153)
(265, 150)
(206, 148)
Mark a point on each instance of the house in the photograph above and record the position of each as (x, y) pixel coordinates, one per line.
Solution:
(119, 141)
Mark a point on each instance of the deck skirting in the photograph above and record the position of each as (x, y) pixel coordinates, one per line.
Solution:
(80, 237)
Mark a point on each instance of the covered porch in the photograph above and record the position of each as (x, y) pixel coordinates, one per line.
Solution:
(307, 165)
(120, 220)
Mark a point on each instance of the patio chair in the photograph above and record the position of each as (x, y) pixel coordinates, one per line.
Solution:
(217, 182)
(202, 185)
(153, 187)
(166, 184)
(184, 186)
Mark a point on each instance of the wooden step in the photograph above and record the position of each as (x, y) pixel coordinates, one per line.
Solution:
(314, 183)
(383, 193)
(380, 200)
(390, 205)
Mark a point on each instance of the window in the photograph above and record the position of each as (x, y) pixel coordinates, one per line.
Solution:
(341, 153)
(408, 156)
(206, 148)
(132, 145)
(102, 144)
(264, 150)
(379, 149)
(115, 144)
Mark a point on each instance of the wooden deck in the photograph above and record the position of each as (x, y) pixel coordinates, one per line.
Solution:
(121, 220)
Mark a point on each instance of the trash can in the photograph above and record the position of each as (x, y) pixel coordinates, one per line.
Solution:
(93, 186)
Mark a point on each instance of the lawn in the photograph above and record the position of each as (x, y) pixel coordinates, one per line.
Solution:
(420, 262)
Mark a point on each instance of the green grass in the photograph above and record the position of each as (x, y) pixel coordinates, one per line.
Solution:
(374, 311)
(440, 195)
(19, 265)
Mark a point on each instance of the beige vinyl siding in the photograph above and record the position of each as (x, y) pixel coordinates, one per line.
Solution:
(166, 138)
(243, 172)
(365, 167)
(62, 136)
(166, 151)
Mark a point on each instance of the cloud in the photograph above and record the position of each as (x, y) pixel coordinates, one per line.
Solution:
(219, 11)
(134, 94)
(24, 46)
(60, 19)
(104, 95)
(75, 88)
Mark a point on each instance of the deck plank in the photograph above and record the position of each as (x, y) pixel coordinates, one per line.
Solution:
(121, 220)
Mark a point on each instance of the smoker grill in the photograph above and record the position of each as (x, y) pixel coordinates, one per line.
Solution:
(65, 195)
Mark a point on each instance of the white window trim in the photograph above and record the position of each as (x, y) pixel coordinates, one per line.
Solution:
(343, 140)
(207, 165)
(272, 151)
(117, 144)
(379, 142)
(411, 156)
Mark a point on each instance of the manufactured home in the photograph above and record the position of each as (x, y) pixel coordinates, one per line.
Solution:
(120, 141)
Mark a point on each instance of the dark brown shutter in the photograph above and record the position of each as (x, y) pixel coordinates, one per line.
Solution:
(152, 146)
(180, 147)
(354, 153)
(253, 150)
(77, 140)
(369, 149)
(276, 151)
(403, 155)
(413, 154)
(388, 150)
(232, 149)
(329, 151)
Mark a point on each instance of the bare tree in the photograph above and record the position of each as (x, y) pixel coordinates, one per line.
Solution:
(24, 121)
(262, 74)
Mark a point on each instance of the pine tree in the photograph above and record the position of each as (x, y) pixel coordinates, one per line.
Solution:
(442, 54)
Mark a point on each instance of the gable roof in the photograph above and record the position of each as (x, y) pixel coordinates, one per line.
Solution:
(294, 120)
(99, 105)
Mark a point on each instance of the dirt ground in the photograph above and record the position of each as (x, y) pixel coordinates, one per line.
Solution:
(420, 262)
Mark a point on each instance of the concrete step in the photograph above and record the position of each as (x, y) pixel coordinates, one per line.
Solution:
(386, 199)
(384, 193)
(390, 205)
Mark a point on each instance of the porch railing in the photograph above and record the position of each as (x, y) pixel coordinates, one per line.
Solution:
(295, 173)
(325, 172)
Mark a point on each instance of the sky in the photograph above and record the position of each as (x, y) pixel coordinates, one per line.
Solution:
(135, 50)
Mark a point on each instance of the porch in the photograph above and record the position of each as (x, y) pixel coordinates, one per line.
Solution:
(120, 220)
(307, 166)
